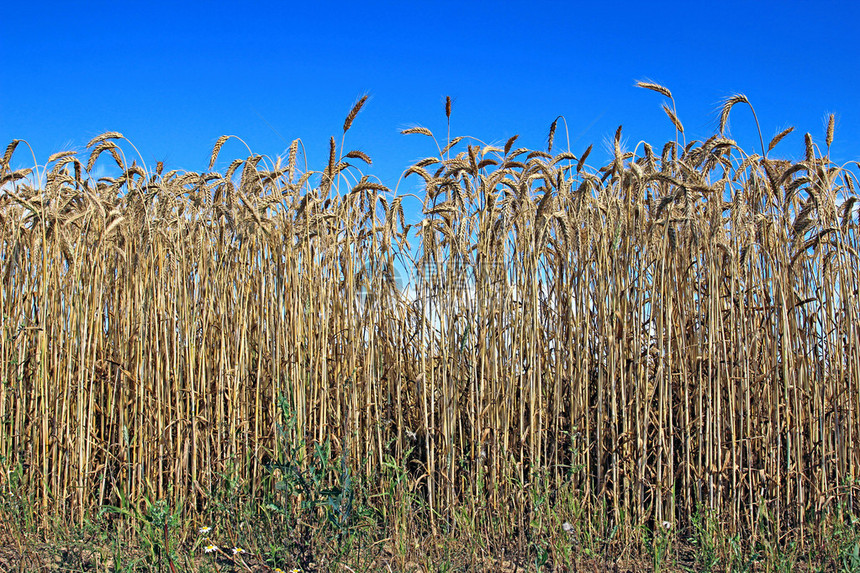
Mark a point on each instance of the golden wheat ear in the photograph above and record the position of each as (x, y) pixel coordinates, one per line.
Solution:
(213, 157)
(353, 113)
(655, 88)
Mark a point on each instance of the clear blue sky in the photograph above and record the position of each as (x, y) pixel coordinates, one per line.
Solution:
(173, 77)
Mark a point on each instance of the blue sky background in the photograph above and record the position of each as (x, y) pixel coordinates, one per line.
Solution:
(172, 78)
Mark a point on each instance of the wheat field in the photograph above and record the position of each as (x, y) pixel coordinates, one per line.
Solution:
(675, 331)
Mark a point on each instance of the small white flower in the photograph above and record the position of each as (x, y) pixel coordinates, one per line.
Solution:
(667, 525)
(567, 527)
(210, 548)
(237, 550)
(205, 530)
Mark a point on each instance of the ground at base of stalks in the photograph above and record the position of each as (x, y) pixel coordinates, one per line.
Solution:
(81, 557)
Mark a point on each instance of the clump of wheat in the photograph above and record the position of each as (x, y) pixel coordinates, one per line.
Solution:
(672, 330)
